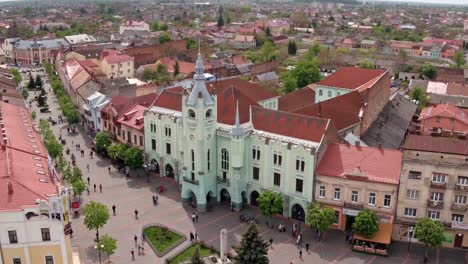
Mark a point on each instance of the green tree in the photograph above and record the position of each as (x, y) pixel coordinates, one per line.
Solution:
(154, 26)
(268, 32)
(220, 17)
(117, 151)
(428, 70)
(252, 249)
(134, 157)
(430, 233)
(459, 58)
(25, 93)
(108, 245)
(38, 82)
(190, 43)
(320, 218)
(67, 174)
(418, 95)
(164, 37)
(96, 216)
(78, 187)
(44, 126)
(164, 27)
(196, 258)
(103, 141)
(31, 84)
(306, 72)
(48, 68)
(176, 68)
(403, 55)
(268, 52)
(366, 64)
(77, 174)
(54, 147)
(16, 76)
(289, 83)
(60, 163)
(270, 203)
(366, 223)
(33, 115)
(292, 48)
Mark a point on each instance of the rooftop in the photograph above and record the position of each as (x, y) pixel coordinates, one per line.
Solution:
(437, 144)
(352, 77)
(444, 110)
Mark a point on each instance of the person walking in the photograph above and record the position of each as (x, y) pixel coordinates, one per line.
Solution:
(87, 167)
(136, 240)
(307, 247)
(133, 254)
(88, 179)
(113, 209)
(108, 168)
(271, 242)
(194, 216)
(91, 154)
(87, 189)
(139, 250)
(94, 187)
(136, 214)
(142, 249)
(100, 188)
(196, 236)
(300, 254)
(192, 237)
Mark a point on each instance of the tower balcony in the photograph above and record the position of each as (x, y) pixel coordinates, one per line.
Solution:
(188, 180)
(221, 180)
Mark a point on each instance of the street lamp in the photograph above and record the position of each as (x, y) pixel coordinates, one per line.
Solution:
(99, 247)
(410, 236)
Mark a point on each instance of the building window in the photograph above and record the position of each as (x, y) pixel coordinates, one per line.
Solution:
(372, 199)
(208, 113)
(337, 195)
(338, 94)
(412, 194)
(45, 234)
(320, 93)
(16, 260)
(167, 131)
(153, 128)
(168, 148)
(12, 236)
(141, 140)
(387, 200)
(277, 179)
(193, 161)
(129, 136)
(437, 196)
(208, 160)
(410, 212)
(322, 191)
(153, 144)
(224, 160)
(300, 165)
(462, 180)
(256, 153)
(256, 173)
(434, 215)
(49, 260)
(329, 94)
(354, 196)
(439, 177)
(460, 199)
(135, 139)
(277, 159)
(191, 113)
(414, 175)
(337, 218)
(457, 218)
(299, 185)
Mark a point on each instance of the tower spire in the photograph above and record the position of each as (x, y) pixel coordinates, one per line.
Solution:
(237, 130)
(199, 88)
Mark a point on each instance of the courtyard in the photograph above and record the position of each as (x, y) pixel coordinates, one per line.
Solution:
(135, 193)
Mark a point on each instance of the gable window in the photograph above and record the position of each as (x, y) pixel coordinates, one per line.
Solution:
(320, 93)
(337, 195)
(12, 236)
(387, 200)
(329, 94)
(300, 165)
(299, 185)
(354, 196)
(256, 173)
(372, 199)
(322, 191)
(45, 234)
(276, 179)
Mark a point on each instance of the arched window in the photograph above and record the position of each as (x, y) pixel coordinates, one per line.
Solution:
(224, 159)
(209, 113)
(320, 93)
(191, 113)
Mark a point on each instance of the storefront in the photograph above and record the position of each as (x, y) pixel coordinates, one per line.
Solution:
(378, 244)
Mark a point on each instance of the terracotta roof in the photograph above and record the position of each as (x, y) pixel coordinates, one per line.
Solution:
(133, 117)
(437, 144)
(296, 100)
(27, 171)
(444, 110)
(343, 110)
(114, 56)
(254, 91)
(352, 77)
(170, 99)
(454, 88)
(227, 101)
(289, 124)
(361, 163)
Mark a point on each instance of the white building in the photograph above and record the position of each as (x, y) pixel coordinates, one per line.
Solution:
(92, 110)
(80, 39)
(134, 25)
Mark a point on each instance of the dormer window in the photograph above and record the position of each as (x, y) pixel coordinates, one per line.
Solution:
(191, 113)
(209, 113)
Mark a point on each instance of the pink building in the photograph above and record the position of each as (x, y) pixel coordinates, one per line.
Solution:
(444, 120)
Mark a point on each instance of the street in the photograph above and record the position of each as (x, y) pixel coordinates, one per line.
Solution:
(128, 194)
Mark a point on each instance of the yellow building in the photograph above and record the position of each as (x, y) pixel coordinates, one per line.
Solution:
(34, 212)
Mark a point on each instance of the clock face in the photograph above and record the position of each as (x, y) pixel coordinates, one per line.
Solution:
(192, 137)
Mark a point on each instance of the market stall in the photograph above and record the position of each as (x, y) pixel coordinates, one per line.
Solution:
(378, 244)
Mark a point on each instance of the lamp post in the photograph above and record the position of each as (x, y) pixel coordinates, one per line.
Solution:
(410, 236)
(99, 247)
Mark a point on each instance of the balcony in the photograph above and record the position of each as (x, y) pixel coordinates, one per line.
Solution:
(438, 185)
(435, 204)
(459, 207)
(461, 187)
(194, 182)
(355, 206)
(220, 179)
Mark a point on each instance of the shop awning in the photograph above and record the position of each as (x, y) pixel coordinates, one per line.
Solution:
(383, 236)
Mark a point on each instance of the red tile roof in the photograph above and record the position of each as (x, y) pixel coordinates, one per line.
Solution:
(343, 110)
(114, 56)
(296, 100)
(352, 77)
(254, 91)
(227, 101)
(133, 117)
(289, 124)
(444, 110)
(437, 144)
(361, 163)
(170, 99)
(27, 172)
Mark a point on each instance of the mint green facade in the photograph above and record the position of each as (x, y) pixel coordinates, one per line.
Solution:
(323, 93)
(214, 162)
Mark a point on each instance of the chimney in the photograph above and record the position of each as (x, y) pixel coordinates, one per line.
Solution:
(357, 143)
(10, 188)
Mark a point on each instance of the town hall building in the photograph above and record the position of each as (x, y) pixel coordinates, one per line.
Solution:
(225, 142)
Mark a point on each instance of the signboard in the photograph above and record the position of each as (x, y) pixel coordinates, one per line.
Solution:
(458, 225)
(350, 212)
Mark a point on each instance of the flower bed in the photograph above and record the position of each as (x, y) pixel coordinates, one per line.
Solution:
(187, 252)
(162, 239)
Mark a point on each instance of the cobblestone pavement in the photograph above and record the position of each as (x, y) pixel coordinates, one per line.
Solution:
(135, 192)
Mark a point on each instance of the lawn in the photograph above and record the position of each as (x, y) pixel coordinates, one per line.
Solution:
(159, 240)
(187, 254)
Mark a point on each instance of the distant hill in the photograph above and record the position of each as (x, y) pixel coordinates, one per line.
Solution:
(349, 2)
